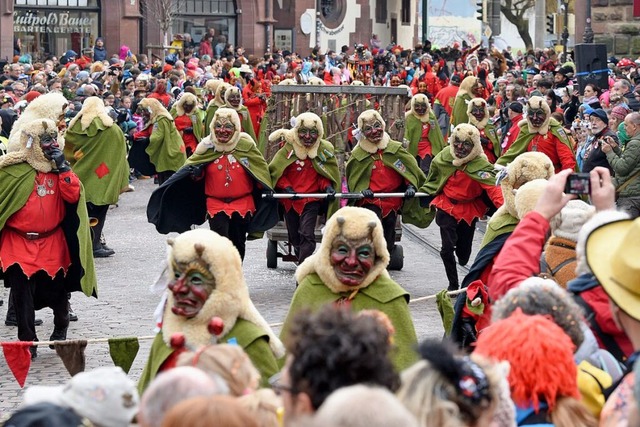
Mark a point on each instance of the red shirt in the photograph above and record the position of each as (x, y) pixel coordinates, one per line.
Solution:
(488, 147)
(41, 214)
(447, 97)
(189, 139)
(460, 197)
(144, 133)
(383, 180)
(304, 179)
(512, 134)
(228, 187)
(424, 146)
(560, 154)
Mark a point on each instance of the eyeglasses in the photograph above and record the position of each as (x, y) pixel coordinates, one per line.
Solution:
(276, 385)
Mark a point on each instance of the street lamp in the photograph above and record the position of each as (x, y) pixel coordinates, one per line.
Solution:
(588, 32)
(565, 31)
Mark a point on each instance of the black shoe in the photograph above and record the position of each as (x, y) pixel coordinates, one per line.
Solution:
(73, 317)
(103, 253)
(34, 352)
(11, 321)
(58, 335)
(107, 248)
(452, 287)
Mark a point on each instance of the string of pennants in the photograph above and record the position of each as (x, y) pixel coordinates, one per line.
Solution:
(123, 350)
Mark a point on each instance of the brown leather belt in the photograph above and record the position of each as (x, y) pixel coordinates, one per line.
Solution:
(32, 235)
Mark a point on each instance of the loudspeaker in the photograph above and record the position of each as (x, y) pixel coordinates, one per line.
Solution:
(591, 63)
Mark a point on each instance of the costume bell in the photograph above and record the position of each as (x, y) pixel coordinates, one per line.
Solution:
(305, 164)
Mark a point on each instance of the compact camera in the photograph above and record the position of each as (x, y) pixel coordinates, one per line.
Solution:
(578, 183)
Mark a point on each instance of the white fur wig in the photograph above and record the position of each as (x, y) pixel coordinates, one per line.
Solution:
(186, 98)
(49, 106)
(466, 87)
(212, 142)
(30, 151)
(221, 90)
(596, 221)
(287, 82)
(357, 83)
(316, 81)
(368, 116)
(482, 104)
(527, 196)
(229, 300)
(92, 107)
(572, 217)
(466, 132)
(354, 224)
(155, 108)
(538, 102)
(232, 90)
(211, 85)
(307, 120)
(526, 167)
(422, 99)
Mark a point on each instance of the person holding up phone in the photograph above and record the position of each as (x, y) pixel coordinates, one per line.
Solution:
(602, 134)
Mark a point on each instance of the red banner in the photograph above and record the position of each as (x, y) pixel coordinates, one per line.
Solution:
(636, 8)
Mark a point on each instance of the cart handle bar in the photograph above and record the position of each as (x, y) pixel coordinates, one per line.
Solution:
(337, 195)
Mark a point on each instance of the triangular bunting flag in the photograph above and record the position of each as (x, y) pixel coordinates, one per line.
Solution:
(72, 354)
(18, 359)
(123, 351)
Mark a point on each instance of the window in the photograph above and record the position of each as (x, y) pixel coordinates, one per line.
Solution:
(332, 12)
(59, 3)
(381, 11)
(203, 7)
(406, 12)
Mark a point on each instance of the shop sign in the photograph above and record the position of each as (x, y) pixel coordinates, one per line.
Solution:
(53, 22)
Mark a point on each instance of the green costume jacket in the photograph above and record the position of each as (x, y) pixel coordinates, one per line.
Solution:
(459, 113)
(166, 150)
(358, 171)
(180, 201)
(324, 163)
(383, 294)
(413, 133)
(478, 169)
(492, 135)
(246, 123)
(197, 120)
(521, 144)
(16, 185)
(253, 340)
(98, 155)
(208, 117)
(497, 226)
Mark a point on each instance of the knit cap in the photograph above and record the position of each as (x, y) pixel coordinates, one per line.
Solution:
(569, 221)
(620, 112)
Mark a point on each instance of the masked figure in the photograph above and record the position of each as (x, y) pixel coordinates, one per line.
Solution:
(422, 133)
(158, 147)
(214, 104)
(223, 182)
(541, 132)
(50, 106)
(188, 118)
(98, 154)
(469, 88)
(206, 281)
(380, 165)
(349, 269)
(305, 164)
(461, 181)
(233, 99)
(45, 244)
(479, 117)
(527, 167)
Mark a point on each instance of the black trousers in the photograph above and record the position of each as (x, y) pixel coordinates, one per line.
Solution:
(388, 225)
(425, 163)
(34, 293)
(98, 212)
(163, 176)
(457, 240)
(301, 229)
(234, 228)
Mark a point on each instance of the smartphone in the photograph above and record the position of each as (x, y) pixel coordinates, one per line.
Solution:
(578, 183)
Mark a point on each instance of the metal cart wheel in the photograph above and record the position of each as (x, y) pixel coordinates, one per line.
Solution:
(397, 258)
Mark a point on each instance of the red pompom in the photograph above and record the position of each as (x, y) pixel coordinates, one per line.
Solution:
(216, 325)
(177, 341)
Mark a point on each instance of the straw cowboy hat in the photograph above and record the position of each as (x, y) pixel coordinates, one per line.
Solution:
(612, 255)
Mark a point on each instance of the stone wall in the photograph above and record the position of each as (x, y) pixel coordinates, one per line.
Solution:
(614, 25)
